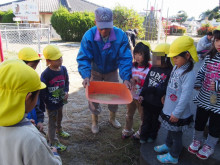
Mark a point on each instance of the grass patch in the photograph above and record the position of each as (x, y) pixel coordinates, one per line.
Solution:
(107, 147)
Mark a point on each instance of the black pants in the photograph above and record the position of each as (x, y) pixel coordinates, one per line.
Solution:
(150, 125)
(202, 117)
(174, 142)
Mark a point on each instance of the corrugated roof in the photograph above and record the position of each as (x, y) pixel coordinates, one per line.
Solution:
(7, 6)
(49, 6)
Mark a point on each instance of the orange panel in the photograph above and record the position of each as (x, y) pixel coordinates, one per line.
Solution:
(108, 93)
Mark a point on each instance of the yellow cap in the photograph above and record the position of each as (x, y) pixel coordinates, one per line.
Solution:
(52, 52)
(182, 44)
(16, 80)
(28, 54)
(162, 48)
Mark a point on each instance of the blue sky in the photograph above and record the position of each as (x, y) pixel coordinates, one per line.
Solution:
(191, 7)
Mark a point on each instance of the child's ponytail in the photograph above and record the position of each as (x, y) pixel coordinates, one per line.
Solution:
(190, 67)
(190, 60)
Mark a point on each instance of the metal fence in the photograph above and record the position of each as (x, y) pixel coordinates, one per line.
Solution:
(15, 37)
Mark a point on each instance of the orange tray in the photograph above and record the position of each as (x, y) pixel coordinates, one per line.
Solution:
(108, 93)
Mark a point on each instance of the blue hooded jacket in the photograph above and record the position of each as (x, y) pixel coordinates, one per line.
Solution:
(95, 54)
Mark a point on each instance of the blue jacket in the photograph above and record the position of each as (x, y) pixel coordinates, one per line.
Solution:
(95, 54)
(204, 44)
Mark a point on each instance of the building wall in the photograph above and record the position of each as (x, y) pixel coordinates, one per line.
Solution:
(45, 18)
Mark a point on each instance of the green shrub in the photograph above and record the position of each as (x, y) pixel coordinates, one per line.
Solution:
(125, 19)
(72, 26)
(1, 15)
(7, 17)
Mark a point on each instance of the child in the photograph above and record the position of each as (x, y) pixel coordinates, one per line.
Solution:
(21, 143)
(176, 116)
(154, 89)
(31, 58)
(56, 78)
(208, 102)
(140, 70)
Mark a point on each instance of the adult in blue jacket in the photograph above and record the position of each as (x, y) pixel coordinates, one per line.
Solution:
(104, 49)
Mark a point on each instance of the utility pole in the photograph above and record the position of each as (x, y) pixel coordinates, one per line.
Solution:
(160, 22)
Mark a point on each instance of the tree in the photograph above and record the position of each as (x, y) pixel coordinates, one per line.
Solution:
(181, 16)
(125, 19)
(211, 14)
(72, 26)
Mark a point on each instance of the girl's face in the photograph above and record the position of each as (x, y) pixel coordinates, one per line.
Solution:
(217, 44)
(56, 63)
(139, 58)
(180, 61)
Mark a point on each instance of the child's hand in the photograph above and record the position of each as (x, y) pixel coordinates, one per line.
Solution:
(128, 84)
(140, 99)
(132, 83)
(53, 149)
(66, 95)
(173, 119)
(163, 99)
(136, 79)
(33, 122)
(40, 126)
(212, 86)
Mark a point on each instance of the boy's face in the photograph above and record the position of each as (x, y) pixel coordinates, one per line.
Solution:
(56, 63)
(33, 64)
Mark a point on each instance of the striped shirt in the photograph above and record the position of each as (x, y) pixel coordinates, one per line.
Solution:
(209, 72)
(141, 73)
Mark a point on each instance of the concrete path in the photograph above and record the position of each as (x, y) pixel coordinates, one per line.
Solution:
(148, 155)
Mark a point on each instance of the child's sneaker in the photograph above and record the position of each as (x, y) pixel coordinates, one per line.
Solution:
(126, 134)
(161, 148)
(59, 146)
(136, 136)
(205, 152)
(194, 146)
(167, 158)
(63, 134)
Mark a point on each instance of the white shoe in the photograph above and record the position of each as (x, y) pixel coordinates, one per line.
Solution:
(205, 152)
(113, 121)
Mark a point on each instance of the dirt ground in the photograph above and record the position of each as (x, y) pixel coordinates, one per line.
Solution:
(85, 148)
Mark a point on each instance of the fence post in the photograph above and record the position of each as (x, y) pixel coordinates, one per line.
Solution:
(19, 34)
(38, 39)
(49, 35)
(6, 39)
